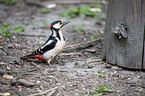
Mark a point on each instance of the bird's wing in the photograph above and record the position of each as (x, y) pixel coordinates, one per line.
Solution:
(48, 45)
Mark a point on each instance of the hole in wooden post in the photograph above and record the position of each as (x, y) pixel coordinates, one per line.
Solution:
(121, 32)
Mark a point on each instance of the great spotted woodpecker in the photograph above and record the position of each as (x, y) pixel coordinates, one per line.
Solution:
(53, 46)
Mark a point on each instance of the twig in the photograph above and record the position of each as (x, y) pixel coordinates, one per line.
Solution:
(2, 82)
(5, 94)
(37, 35)
(39, 4)
(35, 65)
(9, 56)
(97, 60)
(72, 2)
(8, 72)
(67, 54)
(51, 93)
(137, 85)
(82, 43)
(2, 63)
(16, 72)
(41, 93)
(31, 70)
(33, 3)
(4, 50)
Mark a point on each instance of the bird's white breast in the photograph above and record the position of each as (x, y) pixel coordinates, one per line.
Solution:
(57, 49)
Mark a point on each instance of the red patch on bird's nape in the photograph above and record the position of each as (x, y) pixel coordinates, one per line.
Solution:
(40, 57)
(51, 25)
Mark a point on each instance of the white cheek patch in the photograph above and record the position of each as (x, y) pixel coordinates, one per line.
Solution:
(57, 26)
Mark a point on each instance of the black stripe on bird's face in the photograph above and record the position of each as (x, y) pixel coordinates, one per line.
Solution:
(58, 24)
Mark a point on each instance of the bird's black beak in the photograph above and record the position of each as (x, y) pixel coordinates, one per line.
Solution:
(64, 23)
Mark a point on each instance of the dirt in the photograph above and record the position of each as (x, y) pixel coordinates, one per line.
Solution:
(72, 73)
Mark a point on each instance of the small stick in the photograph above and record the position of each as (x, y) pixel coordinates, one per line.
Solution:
(51, 93)
(71, 2)
(41, 93)
(97, 60)
(67, 54)
(82, 43)
(4, 50)
(3, 63)
(37, 35)
(8, 72)
(35, 65)
(9, 56)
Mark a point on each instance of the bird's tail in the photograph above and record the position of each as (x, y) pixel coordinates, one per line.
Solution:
(27, 56)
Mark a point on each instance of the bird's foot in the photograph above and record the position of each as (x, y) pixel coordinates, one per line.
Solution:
(49, 62)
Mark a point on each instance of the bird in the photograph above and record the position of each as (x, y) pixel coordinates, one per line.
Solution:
(53, 46)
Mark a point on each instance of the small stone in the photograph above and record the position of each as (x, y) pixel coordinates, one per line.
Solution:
(99, 22)
(25, 83)
(19, 88)
(90, 66)
(50, 76)
(75, 84)
(91, 50)
(38, 82)
(116, 68)
(8, 68)
(118, 91)
(14, 37)
(10, 77)
(10, 46)
(77, 65)
(5, 94)
(129, 79)
(17, 45)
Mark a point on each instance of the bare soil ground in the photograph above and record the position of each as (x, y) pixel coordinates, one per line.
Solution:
(73, 72)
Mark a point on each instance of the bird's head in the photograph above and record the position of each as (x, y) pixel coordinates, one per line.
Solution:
(58, 24)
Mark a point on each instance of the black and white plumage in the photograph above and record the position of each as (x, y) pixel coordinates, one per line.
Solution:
(53, 46)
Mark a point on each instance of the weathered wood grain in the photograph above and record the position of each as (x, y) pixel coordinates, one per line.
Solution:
(130, 13)
(143, 17)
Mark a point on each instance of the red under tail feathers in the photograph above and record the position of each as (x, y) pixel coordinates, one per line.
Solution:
(40, 57)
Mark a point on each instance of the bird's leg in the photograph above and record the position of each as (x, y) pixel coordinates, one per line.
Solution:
(48, 61)
(51, 59)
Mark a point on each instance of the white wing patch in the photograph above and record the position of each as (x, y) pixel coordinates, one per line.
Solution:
(49, 42)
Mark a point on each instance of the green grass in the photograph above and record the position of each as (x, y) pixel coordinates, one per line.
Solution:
(4, 30)
(101, 74)
(9, 2)
(79, 29)
(45, 10)
(102, 90)
(93, 37)
(83, 11)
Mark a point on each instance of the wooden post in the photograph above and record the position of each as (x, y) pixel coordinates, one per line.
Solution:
(124, 33)
(143, 16)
